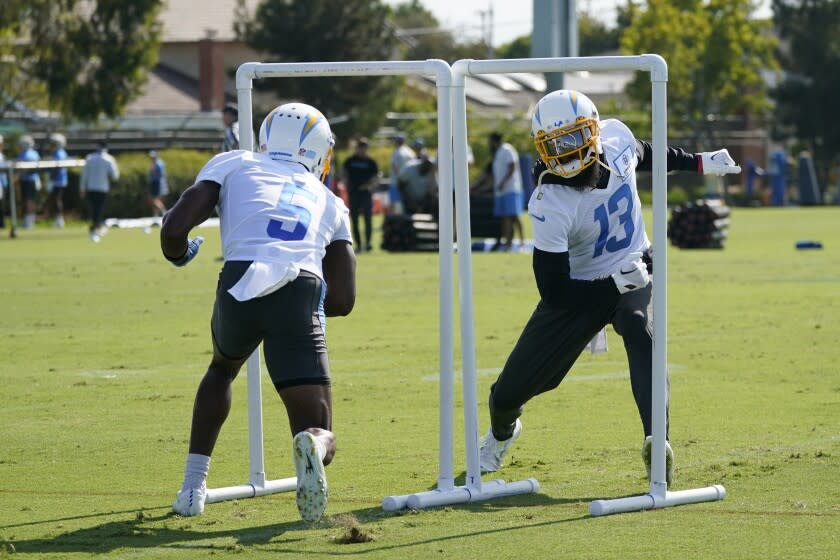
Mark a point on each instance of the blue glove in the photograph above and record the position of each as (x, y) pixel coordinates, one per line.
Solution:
(192, 250)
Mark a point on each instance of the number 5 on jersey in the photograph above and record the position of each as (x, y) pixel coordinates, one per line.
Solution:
(295, 218)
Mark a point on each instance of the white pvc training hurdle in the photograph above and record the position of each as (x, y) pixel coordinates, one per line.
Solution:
(452, 128)
(658, 496)
(257, 484)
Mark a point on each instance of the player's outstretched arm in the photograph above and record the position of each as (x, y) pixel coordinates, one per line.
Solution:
(339, 265)
(677, 159)
(194, 207)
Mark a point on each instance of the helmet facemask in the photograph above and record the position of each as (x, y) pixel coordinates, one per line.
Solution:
(567, 151)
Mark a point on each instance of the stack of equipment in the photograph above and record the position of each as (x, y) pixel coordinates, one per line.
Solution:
(699, 225)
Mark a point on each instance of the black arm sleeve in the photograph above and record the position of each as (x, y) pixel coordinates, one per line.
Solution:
(559, 291)
(677, 158)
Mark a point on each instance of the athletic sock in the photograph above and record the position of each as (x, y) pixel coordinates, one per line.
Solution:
(321, 448)
(195, 471)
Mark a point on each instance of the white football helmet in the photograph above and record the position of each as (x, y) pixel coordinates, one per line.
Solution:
(298, 132)
(566, 132)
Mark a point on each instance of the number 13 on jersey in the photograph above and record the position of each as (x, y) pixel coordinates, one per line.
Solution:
(625, 218)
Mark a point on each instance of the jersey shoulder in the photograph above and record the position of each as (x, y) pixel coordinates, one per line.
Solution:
(615, 131)
(619, 147)
(222, 165)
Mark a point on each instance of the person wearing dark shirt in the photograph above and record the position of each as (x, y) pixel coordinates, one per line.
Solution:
(361, 175)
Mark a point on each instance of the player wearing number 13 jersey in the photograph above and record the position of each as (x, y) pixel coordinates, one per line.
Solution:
(289, 262)
(589, 242)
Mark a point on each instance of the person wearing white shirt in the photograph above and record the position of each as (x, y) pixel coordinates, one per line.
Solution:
(592, 261)
(507, 188)
(285, 238)
(401, 155)
(99, 170)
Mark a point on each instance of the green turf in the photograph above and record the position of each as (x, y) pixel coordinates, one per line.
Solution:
(104, 344)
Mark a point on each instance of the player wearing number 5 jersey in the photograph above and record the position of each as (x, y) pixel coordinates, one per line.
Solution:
(289, 263)
(589, 240)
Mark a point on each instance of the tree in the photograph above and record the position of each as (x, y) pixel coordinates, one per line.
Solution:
(716, 54)
(88, 57)
(424, 38)
(595, 37)
(518, 48)
(318, 30)
(807, 97)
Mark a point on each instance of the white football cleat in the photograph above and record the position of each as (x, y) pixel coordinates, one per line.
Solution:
(311, 479)
(647, 448)
(190, 501)
(493, 451)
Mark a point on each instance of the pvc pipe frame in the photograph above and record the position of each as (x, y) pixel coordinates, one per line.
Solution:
(656, 65)
(441, 71)
(451, 101)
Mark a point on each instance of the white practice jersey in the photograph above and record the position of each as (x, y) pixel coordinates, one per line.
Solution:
(274, 211)
(598, 227)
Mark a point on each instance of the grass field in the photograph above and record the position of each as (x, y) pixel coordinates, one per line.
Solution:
(103, 346)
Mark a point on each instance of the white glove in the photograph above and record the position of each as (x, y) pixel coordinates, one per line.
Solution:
(631, 275)
(718, 163)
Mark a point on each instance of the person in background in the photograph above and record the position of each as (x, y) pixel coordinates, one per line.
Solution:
(285, 238)
(29, 180)
(418, 185)
(419, 147)
(58, 178)
(401, 155)
(230, 118)
(99, 170)
(361, 175)
(158, 187)
(588, 261)
(507, 189)
(502, 173)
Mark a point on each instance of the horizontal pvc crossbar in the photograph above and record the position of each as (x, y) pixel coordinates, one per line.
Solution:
(251, 70)
(45, 164)
(652, 63)
(250, 490)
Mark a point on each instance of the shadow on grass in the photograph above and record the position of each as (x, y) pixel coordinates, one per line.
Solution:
(77, 517)
(152, 532)
(145, 531)
(141, 529)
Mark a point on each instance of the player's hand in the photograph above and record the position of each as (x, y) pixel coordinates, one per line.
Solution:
(631, 275)
(718, 163)
(192, 250)
(647, 258)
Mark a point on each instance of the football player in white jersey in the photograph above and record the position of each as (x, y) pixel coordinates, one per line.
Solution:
(289, 262)
(589, 240)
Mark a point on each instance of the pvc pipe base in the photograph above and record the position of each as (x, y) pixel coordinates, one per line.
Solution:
(649, 501)
(460, 495)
